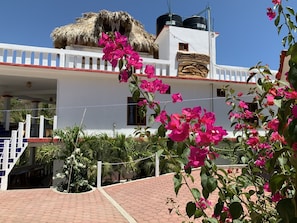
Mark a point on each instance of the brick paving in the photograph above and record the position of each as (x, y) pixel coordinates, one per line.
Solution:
(144, 200)
(46, 205)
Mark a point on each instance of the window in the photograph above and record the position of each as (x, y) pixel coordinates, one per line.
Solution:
(168, 90)
(183, 46)
(253, 108)
(133, 113)
(220, 92)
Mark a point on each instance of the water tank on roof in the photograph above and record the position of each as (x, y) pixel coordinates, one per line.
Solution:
(195, 22)
(168, 19)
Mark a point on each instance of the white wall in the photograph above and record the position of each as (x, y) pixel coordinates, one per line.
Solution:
(105, 101)
(198, 41)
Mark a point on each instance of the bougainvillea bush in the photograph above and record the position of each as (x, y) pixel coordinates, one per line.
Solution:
(264, 190)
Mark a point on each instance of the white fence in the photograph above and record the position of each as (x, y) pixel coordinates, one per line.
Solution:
(100, 164)
(50, 57)
(39, 56)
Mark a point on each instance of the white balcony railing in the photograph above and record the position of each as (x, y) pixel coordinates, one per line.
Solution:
(51, 57)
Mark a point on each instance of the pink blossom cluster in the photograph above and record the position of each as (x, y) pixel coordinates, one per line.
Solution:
(276, 197)
(203, 203)
(270, 12)
(153, 86)
(116, 48)
(194, 123)
(228, 214)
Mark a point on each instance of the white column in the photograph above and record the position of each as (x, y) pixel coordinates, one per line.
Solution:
(6, 115)
(99, 173)
(35, 128)
(157, 167)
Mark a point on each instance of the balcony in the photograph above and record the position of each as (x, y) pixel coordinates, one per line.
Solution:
(75, 59)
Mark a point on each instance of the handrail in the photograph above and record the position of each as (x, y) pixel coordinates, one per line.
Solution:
(88, 60)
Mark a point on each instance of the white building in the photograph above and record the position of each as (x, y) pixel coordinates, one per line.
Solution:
(86, 89)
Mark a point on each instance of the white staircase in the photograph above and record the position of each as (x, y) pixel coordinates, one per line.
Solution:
(11, 148)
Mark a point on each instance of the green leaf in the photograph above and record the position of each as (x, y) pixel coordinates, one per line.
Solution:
(286, 209)
(293, 52)
(162, 131)
(293, 130)
(121, 64)
(290, 10)
(190, 209)
(276, 182)
(211, 184)
(218, 208)
(196, 193)
(177, 180)
(205, 193)
(236, 210)
(276, 21)
(210, 220)
(151, 119)
(136, 95)
(293, 220)
(188, 170)
(198, 213)
(204, 180)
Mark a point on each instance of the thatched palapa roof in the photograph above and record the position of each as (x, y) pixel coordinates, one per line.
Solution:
(87, 30)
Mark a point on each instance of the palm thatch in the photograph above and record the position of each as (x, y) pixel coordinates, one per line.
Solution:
(87, 30)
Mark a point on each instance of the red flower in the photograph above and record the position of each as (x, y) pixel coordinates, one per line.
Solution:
(270, 13)
(177, 98)
(150, 71)
(276, 2)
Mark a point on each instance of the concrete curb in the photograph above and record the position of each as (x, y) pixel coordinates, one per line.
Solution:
(129, 218)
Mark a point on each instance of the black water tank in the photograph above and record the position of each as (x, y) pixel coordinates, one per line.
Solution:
(195, 22)
(168, 19)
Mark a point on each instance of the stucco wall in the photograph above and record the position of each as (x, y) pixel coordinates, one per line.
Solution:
(100, 103)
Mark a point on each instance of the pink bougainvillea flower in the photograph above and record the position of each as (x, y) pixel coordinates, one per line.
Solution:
(162, 117)
(124, 76)
(150, 71)
(147, 86)
(203, 203)
(142, 103)
(270, 100)
(174, 122)
(294, 111)
(260, 162)
(270, 13)
(276, 2)
(208, 118)
(180, 133)
(134, 61)
(243, 105)
(276, 197)
(197, 156)
(104, 39)
(266, 187)
(275, 136)
(120, 39)
(273, 124)
(177, 98)
(163, 88)
(290, 94)
(253, 142)
(248, 114)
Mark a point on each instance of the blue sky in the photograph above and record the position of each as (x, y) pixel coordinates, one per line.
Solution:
(246, 35)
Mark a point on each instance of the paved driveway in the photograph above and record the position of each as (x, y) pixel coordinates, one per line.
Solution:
(136, 201)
